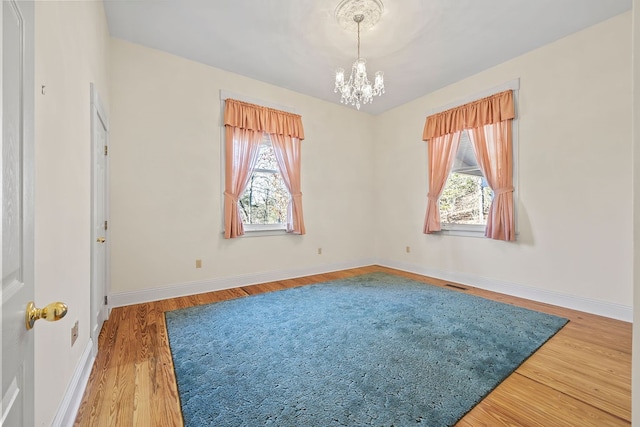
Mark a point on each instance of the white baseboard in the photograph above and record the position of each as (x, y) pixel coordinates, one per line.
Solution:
(68, 409)
(120, 299)
(601, 308)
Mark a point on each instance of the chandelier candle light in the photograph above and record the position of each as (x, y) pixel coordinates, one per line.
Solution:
(358, 90)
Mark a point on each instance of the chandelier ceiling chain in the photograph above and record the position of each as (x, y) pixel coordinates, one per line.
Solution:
(358, 90)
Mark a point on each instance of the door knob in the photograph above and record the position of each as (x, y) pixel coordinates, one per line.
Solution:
(52, 312)
(101, 240)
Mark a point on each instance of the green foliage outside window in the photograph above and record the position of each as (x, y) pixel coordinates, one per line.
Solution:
(266, 198)
(465, 200)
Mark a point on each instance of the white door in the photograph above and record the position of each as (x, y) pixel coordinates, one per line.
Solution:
(99, 132)
(17, 212)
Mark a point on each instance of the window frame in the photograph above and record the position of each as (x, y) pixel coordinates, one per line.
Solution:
(266, 140)
(478, 230)
(472, 230)
(251, 230)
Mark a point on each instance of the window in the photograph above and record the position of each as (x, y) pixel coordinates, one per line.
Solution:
(469, 205)
(263, 205)
(261, 169)
(466, 198)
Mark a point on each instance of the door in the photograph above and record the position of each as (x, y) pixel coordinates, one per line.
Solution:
(17, 212)
(99, 137)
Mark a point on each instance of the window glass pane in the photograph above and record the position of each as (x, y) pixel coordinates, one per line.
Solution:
(466, 197)
(267, 159)
(266, 198)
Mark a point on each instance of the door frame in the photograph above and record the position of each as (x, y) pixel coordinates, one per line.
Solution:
(98, 116)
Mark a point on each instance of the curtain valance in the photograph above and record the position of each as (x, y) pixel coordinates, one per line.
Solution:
(493, 109)
(262, 119)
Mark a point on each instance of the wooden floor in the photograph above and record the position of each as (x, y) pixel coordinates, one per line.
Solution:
(580, 377)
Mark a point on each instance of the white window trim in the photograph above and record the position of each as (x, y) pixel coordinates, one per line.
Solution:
(258, 230)
(251, 230)
(478, 230)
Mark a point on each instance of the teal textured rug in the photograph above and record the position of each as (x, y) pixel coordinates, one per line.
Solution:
(371, 350)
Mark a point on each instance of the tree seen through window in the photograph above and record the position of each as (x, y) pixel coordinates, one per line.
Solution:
(266, 197)
(466, 197)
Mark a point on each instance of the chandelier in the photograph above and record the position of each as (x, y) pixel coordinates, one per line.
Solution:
(358, 89)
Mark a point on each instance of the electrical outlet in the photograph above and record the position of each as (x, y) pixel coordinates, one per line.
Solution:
(408, 249)
(198, 263)
(74, 333)
(319, 251)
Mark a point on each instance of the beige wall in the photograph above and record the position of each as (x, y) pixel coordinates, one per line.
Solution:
(71, 51)
(166, 187)
(574, 173)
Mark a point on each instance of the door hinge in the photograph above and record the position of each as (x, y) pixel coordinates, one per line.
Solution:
(106, 225)
(106, 300)
(106, 150)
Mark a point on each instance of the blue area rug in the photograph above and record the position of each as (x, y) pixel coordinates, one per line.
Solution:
(371, 350)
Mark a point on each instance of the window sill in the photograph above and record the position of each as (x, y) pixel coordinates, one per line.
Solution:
(254, 230)
(464, 230)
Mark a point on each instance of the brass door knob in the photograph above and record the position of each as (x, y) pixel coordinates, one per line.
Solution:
(52, 312)
(101, 240)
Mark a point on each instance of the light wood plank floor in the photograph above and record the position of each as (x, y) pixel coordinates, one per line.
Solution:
(580, 377)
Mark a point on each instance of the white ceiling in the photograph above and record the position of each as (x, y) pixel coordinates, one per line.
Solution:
(421, 45)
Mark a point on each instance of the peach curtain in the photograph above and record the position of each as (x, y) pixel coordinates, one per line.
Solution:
(492, 109)
(441, 152)
(493, 148)
(245, 125)
(490, 120)
(267, 120)
(287, 151)
(242, 150)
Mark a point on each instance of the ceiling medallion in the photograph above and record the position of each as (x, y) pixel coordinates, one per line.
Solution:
(358, 90)
(347, 9)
